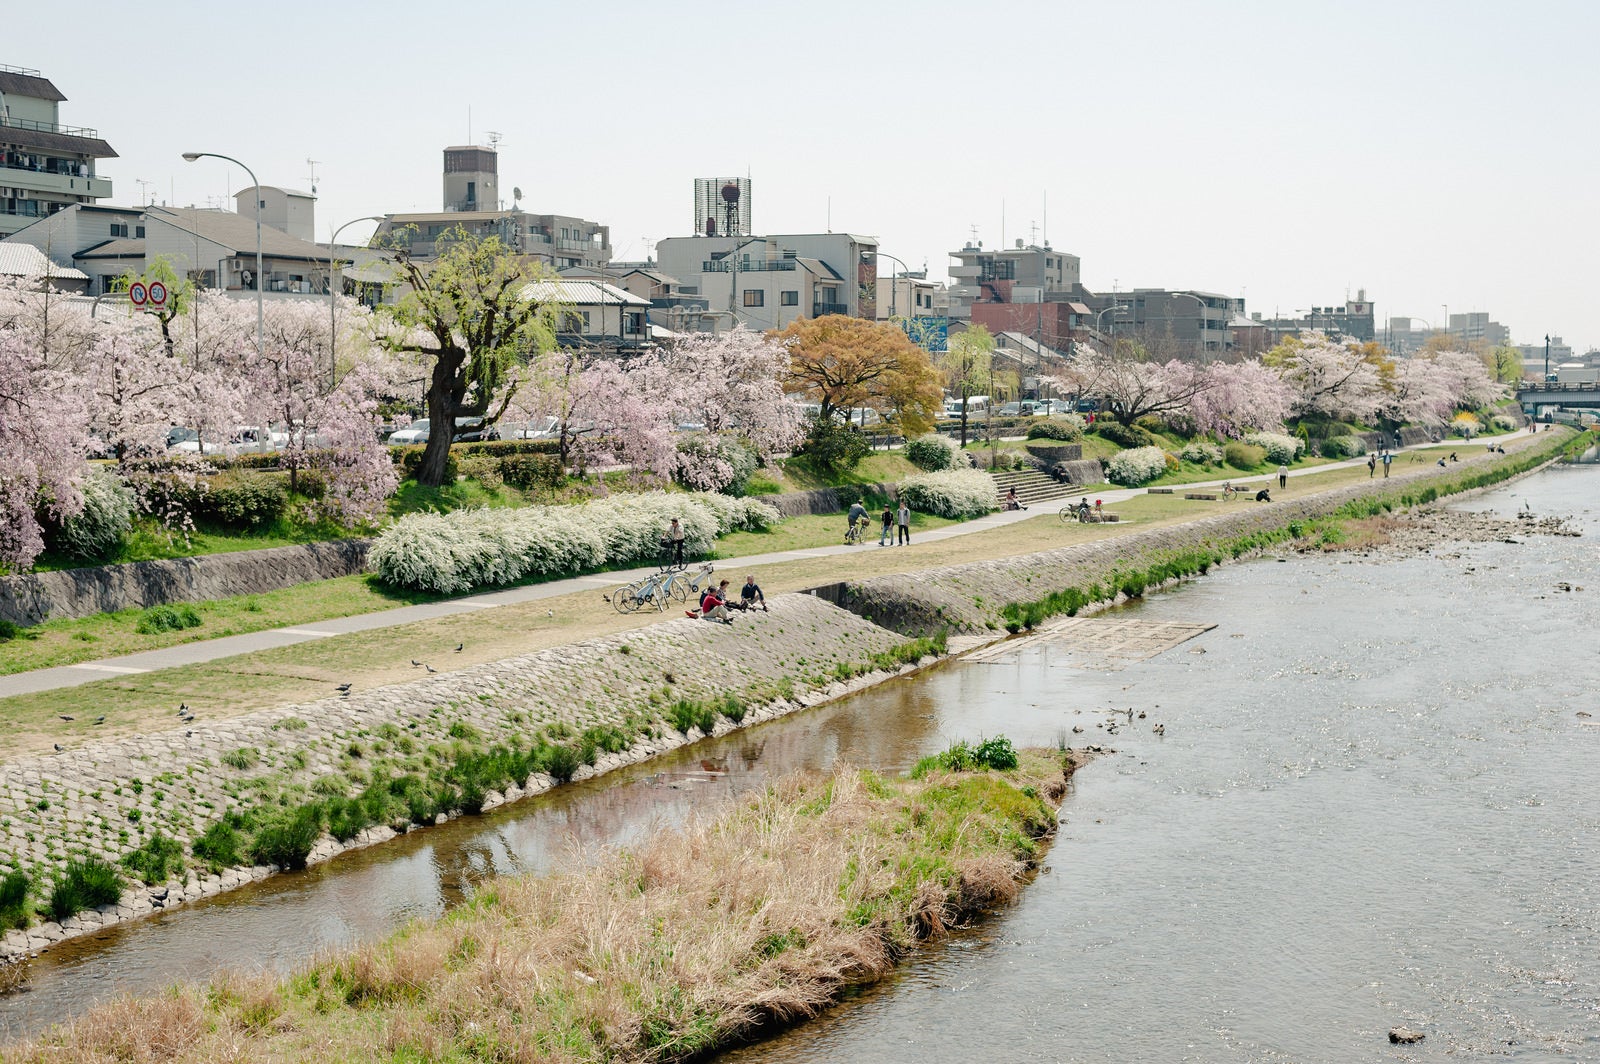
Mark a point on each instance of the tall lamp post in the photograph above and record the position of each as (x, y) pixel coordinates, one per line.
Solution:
(892, 285)
(333, 297)
(1200, 330)
(192, 156)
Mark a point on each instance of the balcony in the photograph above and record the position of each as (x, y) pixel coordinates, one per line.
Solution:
(50, 127)
(54, 182)
(819, 309)
(747, 265)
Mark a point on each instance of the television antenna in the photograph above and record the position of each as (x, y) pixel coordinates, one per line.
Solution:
(145, 199)
(312, 164)
(494, 140)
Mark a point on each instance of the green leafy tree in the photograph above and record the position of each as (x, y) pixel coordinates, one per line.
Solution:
(1505, 365)
(469, 319)
(967, 366)
(180, 295)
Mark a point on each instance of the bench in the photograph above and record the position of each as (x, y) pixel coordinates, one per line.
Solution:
(1158, 491)
(1206, 495)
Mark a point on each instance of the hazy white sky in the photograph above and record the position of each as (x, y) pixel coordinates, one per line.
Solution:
(1432, 153)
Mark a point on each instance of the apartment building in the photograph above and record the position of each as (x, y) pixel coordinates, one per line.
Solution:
(44, 166)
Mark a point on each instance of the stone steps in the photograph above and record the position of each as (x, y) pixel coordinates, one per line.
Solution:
(1032, 486)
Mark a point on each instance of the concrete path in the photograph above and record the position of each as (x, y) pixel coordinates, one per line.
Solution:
(228, 646)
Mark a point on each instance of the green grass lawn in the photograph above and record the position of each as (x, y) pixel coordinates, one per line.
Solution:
(805, 533)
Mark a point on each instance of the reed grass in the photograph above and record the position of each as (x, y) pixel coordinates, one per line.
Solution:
(735, 924)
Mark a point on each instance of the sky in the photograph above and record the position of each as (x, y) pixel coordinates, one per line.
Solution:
(1436, 154)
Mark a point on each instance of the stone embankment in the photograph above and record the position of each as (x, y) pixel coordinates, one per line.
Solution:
(36, 597)
(106, 798)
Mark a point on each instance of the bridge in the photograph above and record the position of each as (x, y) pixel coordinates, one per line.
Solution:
(1550, 393)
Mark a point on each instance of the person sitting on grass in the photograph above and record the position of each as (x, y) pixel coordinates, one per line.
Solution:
(1263, 496)
(714, 606)
(750, 594)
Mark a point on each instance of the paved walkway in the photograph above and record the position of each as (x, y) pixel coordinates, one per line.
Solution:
(228, 646)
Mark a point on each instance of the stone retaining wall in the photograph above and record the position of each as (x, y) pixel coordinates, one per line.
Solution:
(104, 798)
(36, 597)
(817, 501)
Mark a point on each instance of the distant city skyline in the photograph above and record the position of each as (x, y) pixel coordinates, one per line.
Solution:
(1254, 149)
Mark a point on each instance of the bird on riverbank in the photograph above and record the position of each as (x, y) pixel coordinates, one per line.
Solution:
(100, 719)
(63, 716)
(549, 613)
(460, 647)
(59, 748)
(430, 668)
(415, 664)
(1160, 729)
(343, 688)
(183, 707)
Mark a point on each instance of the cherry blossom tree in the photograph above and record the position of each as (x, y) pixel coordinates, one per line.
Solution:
(1243, 397)
(43, 441)
(1331, 379)
(731, 383)
(1133, 384)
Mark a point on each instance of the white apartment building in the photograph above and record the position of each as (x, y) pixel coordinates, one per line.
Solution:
(44, 165)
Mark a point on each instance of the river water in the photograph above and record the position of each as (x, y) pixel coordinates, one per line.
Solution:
(1373, 805)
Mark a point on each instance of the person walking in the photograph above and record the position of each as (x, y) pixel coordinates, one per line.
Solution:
(1283, 476)
(1372, 465)
(888, 525)
(1387, 459)
(905, 525)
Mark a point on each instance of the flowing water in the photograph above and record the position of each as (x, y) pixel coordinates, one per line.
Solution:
(1372, 806)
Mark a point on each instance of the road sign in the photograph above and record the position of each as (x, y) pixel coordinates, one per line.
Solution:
(158, 295)
(138, 294)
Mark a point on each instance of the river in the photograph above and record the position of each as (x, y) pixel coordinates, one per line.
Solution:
(1372, 806)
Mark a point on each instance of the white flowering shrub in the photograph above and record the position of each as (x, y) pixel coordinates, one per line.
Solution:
(1138, 465)
(1280, 449)
(1502, 423)
(1344, 447)
(956, 493)
(1201, 452)
(456, 552)
(1465, 424)
(934, 452)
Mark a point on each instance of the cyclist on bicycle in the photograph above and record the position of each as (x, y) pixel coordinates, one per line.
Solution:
(857, 519)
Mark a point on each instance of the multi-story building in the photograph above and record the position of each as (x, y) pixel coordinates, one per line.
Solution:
(767, 282)
(911, 295)
(1022, 274)
(1352, 321)
(471, 203)
(287, 210)
(1475, 326)
(44, 165)
(1196, 322)
(595, 315)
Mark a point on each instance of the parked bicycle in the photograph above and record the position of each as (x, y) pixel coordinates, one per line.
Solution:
(659, 588)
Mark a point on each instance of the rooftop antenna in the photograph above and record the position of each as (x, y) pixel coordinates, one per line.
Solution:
(1046, 217)
(1033, 233)
(469, 123)
(830, 214)
(494, 140)
(144, 186)
(311, 164)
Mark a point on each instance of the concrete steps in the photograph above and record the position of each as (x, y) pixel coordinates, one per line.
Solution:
(1032, 486)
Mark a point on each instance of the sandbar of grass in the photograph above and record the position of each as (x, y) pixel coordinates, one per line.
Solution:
(757, 918)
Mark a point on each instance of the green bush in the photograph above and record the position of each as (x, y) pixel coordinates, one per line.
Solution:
(686, 714)
(832, 447)
(1056, 428)
(1343, 447)
(410, 460)
(932, 452)
(9, 630)
(1124, 435)
(104, 522)
(14, 887)
(168, 619)
(83, 885)
(287, 840)
(243, 500)
(996, 753)
(219, 847)
(561, 761)
(700, 449)
(157, 861)
(1243, 455)
(529, 472)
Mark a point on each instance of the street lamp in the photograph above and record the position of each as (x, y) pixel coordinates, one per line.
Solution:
(333, 299)
(1108, 310)
(892, 285)
(193, 156)
(1200, 330)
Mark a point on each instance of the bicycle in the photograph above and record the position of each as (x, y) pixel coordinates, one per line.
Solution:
(631, 597)
(1229, 491)
(680, 583)
(857, 530)
(1079, 512)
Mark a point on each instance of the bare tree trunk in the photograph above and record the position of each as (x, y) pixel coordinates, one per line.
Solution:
(441, 421)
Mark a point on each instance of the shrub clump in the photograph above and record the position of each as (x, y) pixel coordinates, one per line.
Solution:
(104, 522)
(1124, 435)
(168, 619)
(287, 841)
(1244, 456)
(1502, 423)
(1137, 466)
(14, 887)
(157, 861)
(83, 884)
(1343, 447)
(996, 753)
(955, 493)
(1280, 449)
(933, 452)
(1201, 452)
(1066, 427)
(456, 552)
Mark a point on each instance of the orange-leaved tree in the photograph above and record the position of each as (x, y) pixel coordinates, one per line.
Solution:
(846, 364)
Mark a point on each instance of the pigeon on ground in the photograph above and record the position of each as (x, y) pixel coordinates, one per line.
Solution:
(460, 647)
(59, 748)
(183, 707)
(343, 688)
(430, 668)
(63, 716)
(415, 663)
(100, 719)
(549, 613)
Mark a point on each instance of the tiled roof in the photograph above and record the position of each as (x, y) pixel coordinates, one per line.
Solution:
(236, 232)
(25, 260)
(124, 247)
(581, 293)
(16, 83)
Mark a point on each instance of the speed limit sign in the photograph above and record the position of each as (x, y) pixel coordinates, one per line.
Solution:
(138, 294)
(158, 295)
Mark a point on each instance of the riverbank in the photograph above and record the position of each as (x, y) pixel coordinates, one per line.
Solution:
(349, 771)
(756, 918)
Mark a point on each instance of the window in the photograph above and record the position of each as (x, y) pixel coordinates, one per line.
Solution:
(138, 231)
(789, 299)
(755, 297)
(120, 229)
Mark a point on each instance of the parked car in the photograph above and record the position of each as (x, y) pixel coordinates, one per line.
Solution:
(416, 432)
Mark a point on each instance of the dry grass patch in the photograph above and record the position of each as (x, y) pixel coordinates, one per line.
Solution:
(758, 917)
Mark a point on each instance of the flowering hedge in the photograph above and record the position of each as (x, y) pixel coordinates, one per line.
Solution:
(934, 452)
(1344, 447)
(1201, 452)
(957, 493)
(1137, 466)
(1280, 448)
(456, 552)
